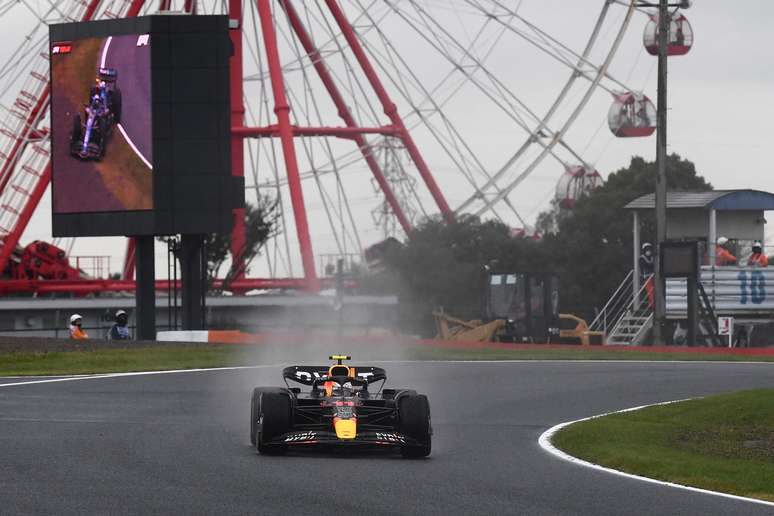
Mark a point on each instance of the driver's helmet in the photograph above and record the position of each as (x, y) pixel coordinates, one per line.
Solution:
(344, 389)
(95, 101)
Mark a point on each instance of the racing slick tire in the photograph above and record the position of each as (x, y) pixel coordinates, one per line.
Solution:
(396, 394)
(76, 135)
(115, 105)
(414, 422)
(255, 407)
(275, 415)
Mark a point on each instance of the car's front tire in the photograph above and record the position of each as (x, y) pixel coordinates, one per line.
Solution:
(414, 421)
(274, 412)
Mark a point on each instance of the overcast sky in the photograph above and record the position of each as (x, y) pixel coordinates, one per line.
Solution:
(721, 99)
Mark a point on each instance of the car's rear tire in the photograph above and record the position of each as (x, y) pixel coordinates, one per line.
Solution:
(414, 421)
(115, 105)
(76, 134)
(397, 393)
(255, 409)
(275, 415)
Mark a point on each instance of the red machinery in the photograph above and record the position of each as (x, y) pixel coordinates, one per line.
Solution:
(36, 178)
(41, 260)
(24, 158)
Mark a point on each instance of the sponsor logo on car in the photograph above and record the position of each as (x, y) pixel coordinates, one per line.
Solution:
(392, 438)
(307, 376)
(303, 436)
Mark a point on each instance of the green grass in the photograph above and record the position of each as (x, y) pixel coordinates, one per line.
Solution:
(723, 443)
(119, 360)
(187, 357)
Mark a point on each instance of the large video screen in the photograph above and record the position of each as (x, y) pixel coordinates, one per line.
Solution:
(102, 152)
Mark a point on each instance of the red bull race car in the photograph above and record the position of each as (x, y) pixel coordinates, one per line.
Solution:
(341, 408)
(91, 132)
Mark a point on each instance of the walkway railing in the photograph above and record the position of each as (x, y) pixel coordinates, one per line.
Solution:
(614, 308)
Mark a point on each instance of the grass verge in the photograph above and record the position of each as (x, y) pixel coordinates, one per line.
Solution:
(119, 360)
(723, 443)
(189, 357)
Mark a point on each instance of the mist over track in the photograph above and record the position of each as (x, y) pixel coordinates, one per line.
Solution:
(179, 442)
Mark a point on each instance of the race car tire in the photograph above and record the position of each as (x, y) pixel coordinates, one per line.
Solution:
(396, 394)
(255, 407)
(275, 416)
(76, 134)
(414, 422)
(101, 149)
(116, 105)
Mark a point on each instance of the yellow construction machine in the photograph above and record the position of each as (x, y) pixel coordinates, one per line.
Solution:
(516, 307)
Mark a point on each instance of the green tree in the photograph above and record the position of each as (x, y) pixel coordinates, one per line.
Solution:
(260, 225)
(592, 248)
(441, 265)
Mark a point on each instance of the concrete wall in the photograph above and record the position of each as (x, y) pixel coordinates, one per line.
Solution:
(50, 317)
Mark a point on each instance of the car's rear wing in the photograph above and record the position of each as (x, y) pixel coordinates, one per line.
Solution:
(307, 374)
(108, 74)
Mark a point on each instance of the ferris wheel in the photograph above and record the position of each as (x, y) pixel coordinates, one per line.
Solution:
(357, 118)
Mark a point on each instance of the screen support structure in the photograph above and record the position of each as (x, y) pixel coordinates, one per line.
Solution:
(238, 237)
(192, 274)
(145, 296)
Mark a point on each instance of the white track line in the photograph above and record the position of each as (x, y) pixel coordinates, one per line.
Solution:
(74, 377)
(544, 440)
(104, 52)
(134, 148)
(545, 443)
(102, 61)
(135, 373)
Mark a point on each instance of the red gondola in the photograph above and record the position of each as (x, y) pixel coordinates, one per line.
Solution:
(680, 36)
(576, 182)
(632, 115)
(528, 233)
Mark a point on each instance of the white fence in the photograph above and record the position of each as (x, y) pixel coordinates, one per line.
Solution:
(739, 291)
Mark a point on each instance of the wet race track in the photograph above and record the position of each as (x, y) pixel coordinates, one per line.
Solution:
(179, 442)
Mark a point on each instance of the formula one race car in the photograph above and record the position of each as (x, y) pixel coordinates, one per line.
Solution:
(339, 410)
(90, 133)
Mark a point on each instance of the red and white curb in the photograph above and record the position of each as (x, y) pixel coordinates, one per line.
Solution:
(545, 442)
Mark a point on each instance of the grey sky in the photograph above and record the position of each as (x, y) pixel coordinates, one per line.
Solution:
(720, 97)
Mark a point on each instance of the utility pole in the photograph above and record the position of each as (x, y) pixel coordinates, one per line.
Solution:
(661, 155)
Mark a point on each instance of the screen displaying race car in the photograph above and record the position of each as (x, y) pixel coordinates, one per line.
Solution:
(344, 406)
(102, 155)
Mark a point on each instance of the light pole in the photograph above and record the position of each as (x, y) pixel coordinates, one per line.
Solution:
(664, 19)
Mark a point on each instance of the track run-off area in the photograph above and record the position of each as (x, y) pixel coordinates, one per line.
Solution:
(178, 441)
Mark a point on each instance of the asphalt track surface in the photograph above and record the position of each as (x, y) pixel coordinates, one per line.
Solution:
(78, 184)
(179, 443)
(133, 65)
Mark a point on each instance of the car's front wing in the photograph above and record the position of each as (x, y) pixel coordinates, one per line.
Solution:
(312, 437)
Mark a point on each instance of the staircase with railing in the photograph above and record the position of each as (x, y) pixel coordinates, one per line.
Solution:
(626, 318)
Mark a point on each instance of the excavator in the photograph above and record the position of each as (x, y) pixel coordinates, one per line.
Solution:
(516, 307)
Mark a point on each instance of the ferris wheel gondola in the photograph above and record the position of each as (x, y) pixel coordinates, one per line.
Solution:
(576, 182)
(632, 115)
(359, 60)
(680, 35)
